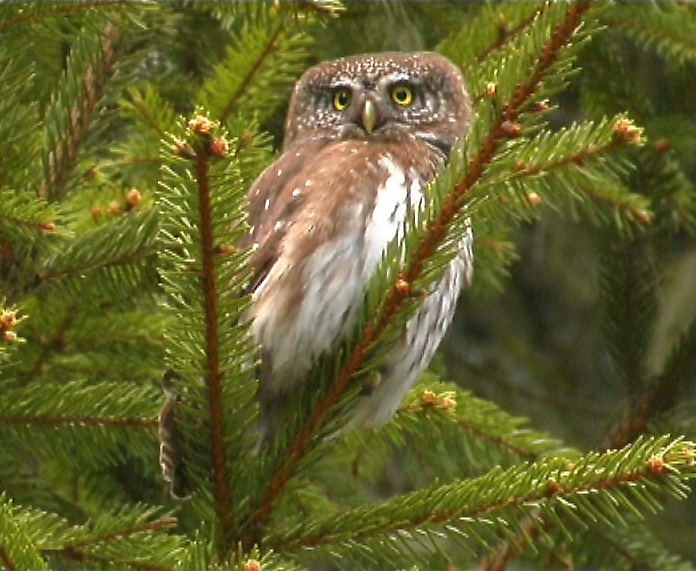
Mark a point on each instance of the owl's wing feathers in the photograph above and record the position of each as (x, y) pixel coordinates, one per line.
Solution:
(323, 214)
(266, 205)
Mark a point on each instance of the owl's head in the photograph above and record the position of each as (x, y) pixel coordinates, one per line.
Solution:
(385, 96)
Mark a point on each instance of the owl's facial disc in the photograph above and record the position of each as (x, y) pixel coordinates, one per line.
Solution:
(414, 95)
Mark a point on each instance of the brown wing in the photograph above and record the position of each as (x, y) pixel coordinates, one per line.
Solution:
(268, 203)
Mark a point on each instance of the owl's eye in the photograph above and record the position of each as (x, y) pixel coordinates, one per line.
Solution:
(402, 95)
(341, 98)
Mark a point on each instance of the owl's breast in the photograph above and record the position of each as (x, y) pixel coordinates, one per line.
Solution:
(352, 201)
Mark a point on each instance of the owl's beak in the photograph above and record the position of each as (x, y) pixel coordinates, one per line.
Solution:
(369, 116)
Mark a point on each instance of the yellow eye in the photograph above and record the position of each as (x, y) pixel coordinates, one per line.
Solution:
(402, 95)
(341, 98)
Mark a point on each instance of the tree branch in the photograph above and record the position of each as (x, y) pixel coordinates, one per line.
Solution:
(248, 80)
(506, 36)
(214, 372)
(63, 420)
(378, 521)
(62, 158)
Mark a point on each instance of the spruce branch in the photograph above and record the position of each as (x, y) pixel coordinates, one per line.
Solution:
(248, 80)
(114, 403)
(66, 421)
(274, 50)
(661, 396)
(432, 236)
(630, 429)
(131, 537)
(660, 177)
(473, 419)
(84, 550)
(138, 159)
(664, 27)
(65, 418)
(106, 560)
(206, 340)
(567, 167)
(18, 120)
(71, 111)
(506, 33)
(17, 550)
(214, 373)
(93, 289)
(51, 344)
(162, 523)
(497, 26)
(630, 283)
(440, 433)
(587, 490)
(24, 216)
(29, 13)
(631, 547)
(128, 240)
(143, 105)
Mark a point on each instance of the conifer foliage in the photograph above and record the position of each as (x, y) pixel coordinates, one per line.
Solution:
(129, 133)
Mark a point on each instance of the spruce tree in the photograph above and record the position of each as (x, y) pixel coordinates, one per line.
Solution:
(129, 133)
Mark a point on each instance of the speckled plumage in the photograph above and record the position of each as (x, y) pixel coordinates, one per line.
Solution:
(325, 210)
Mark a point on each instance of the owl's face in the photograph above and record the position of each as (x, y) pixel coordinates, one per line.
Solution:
(382, 97)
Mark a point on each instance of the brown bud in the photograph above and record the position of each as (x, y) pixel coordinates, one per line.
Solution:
(627, 132)
(688, 456)
(533, 198)
(133, 198)
(48, 227)
(8, 319)
(644, 218)
(500, 21)
(428, 398)
(656, 465)
(520, 165)
(218, 147)
(114, 207)
(448, 403)
(225, 249)
(662, 145)
(490, 90)
(511, 129)
(252, 565)
(402, 287)
(9, 336)
(201, 125)
(552, 487)
(96, 213)
(541, 106)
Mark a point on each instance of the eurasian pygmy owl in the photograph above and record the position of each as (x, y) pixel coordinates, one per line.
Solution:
(363, 136)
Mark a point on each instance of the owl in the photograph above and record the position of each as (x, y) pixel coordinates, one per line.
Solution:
(363, 137)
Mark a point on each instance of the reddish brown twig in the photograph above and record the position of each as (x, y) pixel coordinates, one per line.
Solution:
(214, 376)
